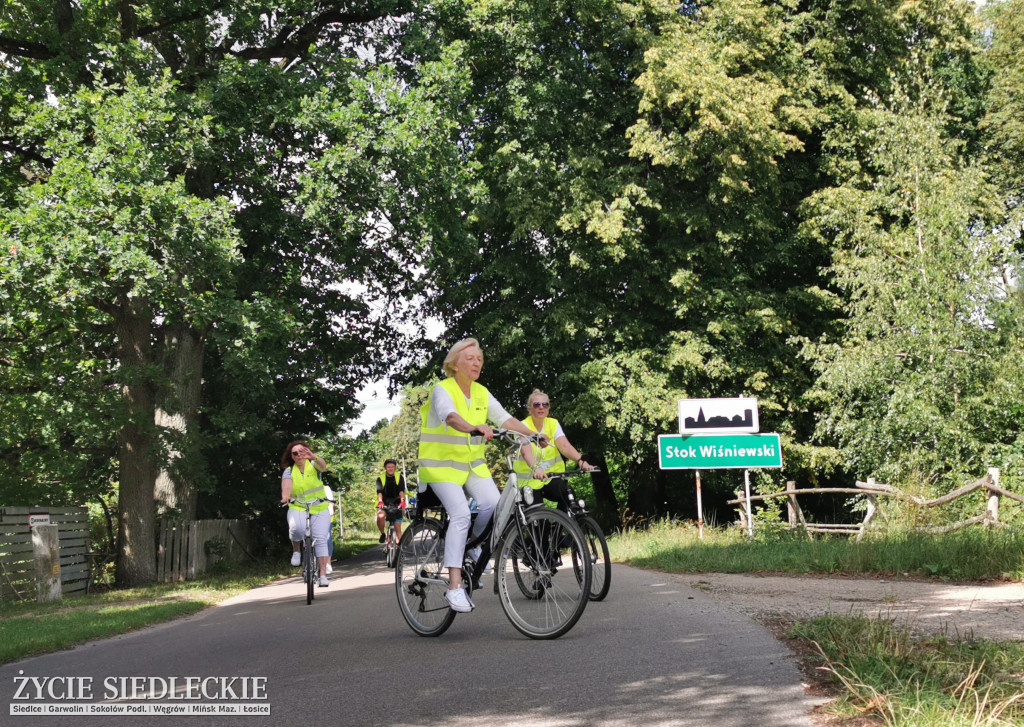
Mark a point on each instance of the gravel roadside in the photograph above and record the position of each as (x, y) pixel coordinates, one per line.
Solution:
(991, 611)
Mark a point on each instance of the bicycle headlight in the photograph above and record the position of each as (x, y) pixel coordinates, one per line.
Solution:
(528, 495)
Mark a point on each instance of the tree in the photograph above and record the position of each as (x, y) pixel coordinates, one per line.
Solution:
(281, 166)
(905, 389)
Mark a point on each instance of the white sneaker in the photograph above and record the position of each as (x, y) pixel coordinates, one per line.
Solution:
(329, 569)
(324, 582)
(458, 600)
(474, 553)
(296, 558)
(488, 569)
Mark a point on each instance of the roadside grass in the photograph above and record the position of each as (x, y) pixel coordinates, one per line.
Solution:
(970, 554)
(28, 629)
(898, 680)
(885, 674)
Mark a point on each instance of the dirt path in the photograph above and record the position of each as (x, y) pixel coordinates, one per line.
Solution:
(992, 611)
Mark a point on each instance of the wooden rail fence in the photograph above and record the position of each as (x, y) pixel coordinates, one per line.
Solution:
(186, 549)
(872, 491)
(17, 555)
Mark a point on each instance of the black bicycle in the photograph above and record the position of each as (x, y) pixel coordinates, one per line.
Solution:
(540, 595)
(597, 546)
(310, 572)
(390, 547)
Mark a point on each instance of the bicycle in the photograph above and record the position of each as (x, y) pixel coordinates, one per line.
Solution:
(597, 546)
(310, 572)
(390, 548)
(540, 597)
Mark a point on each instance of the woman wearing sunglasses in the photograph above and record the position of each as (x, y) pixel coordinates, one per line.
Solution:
(551, 457)
(301, 481)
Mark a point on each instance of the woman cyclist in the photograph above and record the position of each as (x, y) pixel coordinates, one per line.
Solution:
(550, 459)
(452, 463)
(301, 481)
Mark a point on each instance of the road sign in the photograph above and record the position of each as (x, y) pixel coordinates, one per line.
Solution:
(718, 416)
(718, 451)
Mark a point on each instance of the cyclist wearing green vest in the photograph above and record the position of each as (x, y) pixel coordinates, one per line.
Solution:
(452, 463)
(301, 481)
(550, 457)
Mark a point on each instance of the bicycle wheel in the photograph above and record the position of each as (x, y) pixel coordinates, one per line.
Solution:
(540, 594)
(600, 562)
(421, 579)
(391, 552)
(308, 568)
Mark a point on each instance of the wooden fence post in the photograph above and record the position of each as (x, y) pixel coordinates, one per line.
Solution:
(791, 503)
(740, 508)
(992, 509)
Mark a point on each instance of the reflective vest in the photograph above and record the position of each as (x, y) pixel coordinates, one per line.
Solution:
(446, 455)
(549, 457)
(308, 486)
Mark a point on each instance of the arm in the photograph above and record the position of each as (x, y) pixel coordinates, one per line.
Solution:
(569, 452)
(286, 489)
(527, 449)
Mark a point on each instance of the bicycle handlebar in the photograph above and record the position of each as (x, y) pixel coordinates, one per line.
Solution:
(307, 503)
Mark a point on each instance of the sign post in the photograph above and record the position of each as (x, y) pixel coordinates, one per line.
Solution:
(719, 434)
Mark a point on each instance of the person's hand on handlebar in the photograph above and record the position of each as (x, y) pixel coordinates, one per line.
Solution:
(586, 466)
(482, 430)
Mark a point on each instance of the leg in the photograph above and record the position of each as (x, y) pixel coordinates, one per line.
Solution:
(486, 494)
(557, 490)
(320, 524)
(453, 497)
(296, 531)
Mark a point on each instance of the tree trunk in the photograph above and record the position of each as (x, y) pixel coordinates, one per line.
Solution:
(606, 507)
(646, 492)
(136, 559)
(177, 415)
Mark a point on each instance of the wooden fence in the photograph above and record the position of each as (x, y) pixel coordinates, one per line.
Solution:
(186, 549)
(17, 557)
(872, 491)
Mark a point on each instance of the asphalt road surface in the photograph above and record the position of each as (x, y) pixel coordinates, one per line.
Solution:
(655, 652)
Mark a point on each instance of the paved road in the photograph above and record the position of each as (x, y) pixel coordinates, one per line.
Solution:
(655, 652)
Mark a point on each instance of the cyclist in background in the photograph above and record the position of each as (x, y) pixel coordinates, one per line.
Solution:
(301, 481)
(452, 463)
(390, 492)
(551, 459)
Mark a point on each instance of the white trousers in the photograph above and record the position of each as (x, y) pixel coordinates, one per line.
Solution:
(455, 499)
(319, 525)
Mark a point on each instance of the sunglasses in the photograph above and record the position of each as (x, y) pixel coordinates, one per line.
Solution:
(541, 404)
(296, 452)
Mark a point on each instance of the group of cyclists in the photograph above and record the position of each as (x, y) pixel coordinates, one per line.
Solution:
(454, 425)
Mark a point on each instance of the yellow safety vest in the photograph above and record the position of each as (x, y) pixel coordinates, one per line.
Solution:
(446, 455)
(549, 457)
(308, 486)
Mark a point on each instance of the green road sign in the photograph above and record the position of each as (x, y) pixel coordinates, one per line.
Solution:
(719, 451)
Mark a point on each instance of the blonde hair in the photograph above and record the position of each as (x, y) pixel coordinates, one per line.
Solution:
(533, 394)
(453, 354)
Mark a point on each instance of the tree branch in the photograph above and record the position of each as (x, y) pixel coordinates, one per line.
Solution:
(298, 43)
(25, 48)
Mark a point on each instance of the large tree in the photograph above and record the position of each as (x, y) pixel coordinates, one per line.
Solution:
(207, 192)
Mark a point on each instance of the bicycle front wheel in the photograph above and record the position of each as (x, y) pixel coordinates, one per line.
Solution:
(421, 579)
(543, 575)
(308, 569)
(600, 562)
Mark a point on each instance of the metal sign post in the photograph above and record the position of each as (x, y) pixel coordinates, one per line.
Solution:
(700, 511)
(746, 490)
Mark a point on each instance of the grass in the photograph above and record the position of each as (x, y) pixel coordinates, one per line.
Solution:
(971, 554)
(897, 680)
(885, 675)
(27, 629)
